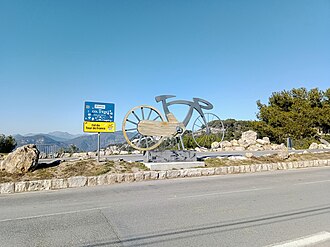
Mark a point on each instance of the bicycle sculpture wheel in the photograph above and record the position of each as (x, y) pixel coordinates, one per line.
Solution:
(145, 128)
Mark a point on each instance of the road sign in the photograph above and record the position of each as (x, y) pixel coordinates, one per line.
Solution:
(99, 112)
(99, 126)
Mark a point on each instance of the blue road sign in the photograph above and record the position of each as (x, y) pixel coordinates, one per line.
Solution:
(99, 112)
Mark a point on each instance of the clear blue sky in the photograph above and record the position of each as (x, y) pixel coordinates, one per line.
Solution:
(54, 55)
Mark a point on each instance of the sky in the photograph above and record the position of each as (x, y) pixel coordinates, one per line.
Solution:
(55, 55)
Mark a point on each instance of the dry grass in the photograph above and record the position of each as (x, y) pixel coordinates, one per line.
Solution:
(216, 162)
(74, 168)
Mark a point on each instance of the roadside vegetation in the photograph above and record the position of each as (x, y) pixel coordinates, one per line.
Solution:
(216, 162)
(74, 168)
(7, 143)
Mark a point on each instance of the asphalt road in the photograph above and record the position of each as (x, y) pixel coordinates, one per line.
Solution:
(258, 209)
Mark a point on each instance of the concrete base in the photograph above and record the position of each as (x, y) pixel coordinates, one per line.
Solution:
(173, 165)
(171, 156)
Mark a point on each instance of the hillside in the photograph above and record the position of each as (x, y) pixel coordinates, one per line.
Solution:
(86, 142)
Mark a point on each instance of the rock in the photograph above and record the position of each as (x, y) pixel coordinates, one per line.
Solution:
(283, 155)
(225, 144)
(249, 155)
(78, 181)
(314, 146)
(234, 142)
(266, 140)
(253, 148)
(323, 146)
(23, 159)
(238, 148)
(325, 142)
(237, 157)
(249, 137)
(6, 188)
(278, 147)
(215, 145)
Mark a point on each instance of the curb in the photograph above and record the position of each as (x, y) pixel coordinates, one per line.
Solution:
(108, 179)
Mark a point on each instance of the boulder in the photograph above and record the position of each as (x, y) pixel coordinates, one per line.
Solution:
(266, 140)
(249, 155)
(314, 146)
(283, 155)
(215, 145)
(23, 159)
(325, 142)
(234, 143)
(249, 137)
(225, 144)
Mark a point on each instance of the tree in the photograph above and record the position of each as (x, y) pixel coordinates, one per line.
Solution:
(298, 113)
(7, 144)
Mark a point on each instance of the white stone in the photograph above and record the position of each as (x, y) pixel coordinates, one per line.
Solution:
(59, 183)
(21, 186)
(128, 177)
(173, 174)
(39, 185)
(238, 148)
(249, 137)
(225, 144)
(215, 145)
(78, 181)
(92, 181)
(6, 188)
(234, 143)
(237, 157)
(314, 146)
(138, 176)
(111, 178)
(249, 155)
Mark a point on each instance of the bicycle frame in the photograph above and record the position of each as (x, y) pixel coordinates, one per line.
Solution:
(195, 104)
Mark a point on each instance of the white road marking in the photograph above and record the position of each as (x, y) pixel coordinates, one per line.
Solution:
(313, 182)
(54, 214)
(305, 241)
(217, 193)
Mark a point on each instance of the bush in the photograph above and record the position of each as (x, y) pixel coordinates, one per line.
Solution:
(7, 144)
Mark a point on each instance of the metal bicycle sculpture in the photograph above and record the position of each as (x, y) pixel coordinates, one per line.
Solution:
(145, 128)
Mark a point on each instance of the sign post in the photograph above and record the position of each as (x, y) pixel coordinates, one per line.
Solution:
(99, 117)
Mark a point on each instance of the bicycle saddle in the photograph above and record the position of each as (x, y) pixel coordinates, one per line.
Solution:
(163, 97)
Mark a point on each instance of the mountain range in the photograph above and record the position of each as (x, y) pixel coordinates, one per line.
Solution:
(58, 139)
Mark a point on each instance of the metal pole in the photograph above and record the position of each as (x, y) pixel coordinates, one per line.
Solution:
(98, 146)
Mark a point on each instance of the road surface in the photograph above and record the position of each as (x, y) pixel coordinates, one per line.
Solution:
(261, 209)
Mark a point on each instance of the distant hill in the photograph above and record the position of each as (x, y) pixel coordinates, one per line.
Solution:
(86, 142)
(89, 142)
(38, 139)
(62, 136)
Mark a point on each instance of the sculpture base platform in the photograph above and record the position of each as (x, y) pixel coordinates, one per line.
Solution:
(171, 156)
(173, 165)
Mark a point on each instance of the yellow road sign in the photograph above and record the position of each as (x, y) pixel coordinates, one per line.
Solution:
(99, 126)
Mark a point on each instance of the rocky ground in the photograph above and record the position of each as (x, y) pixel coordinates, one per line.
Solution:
(91, 167)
